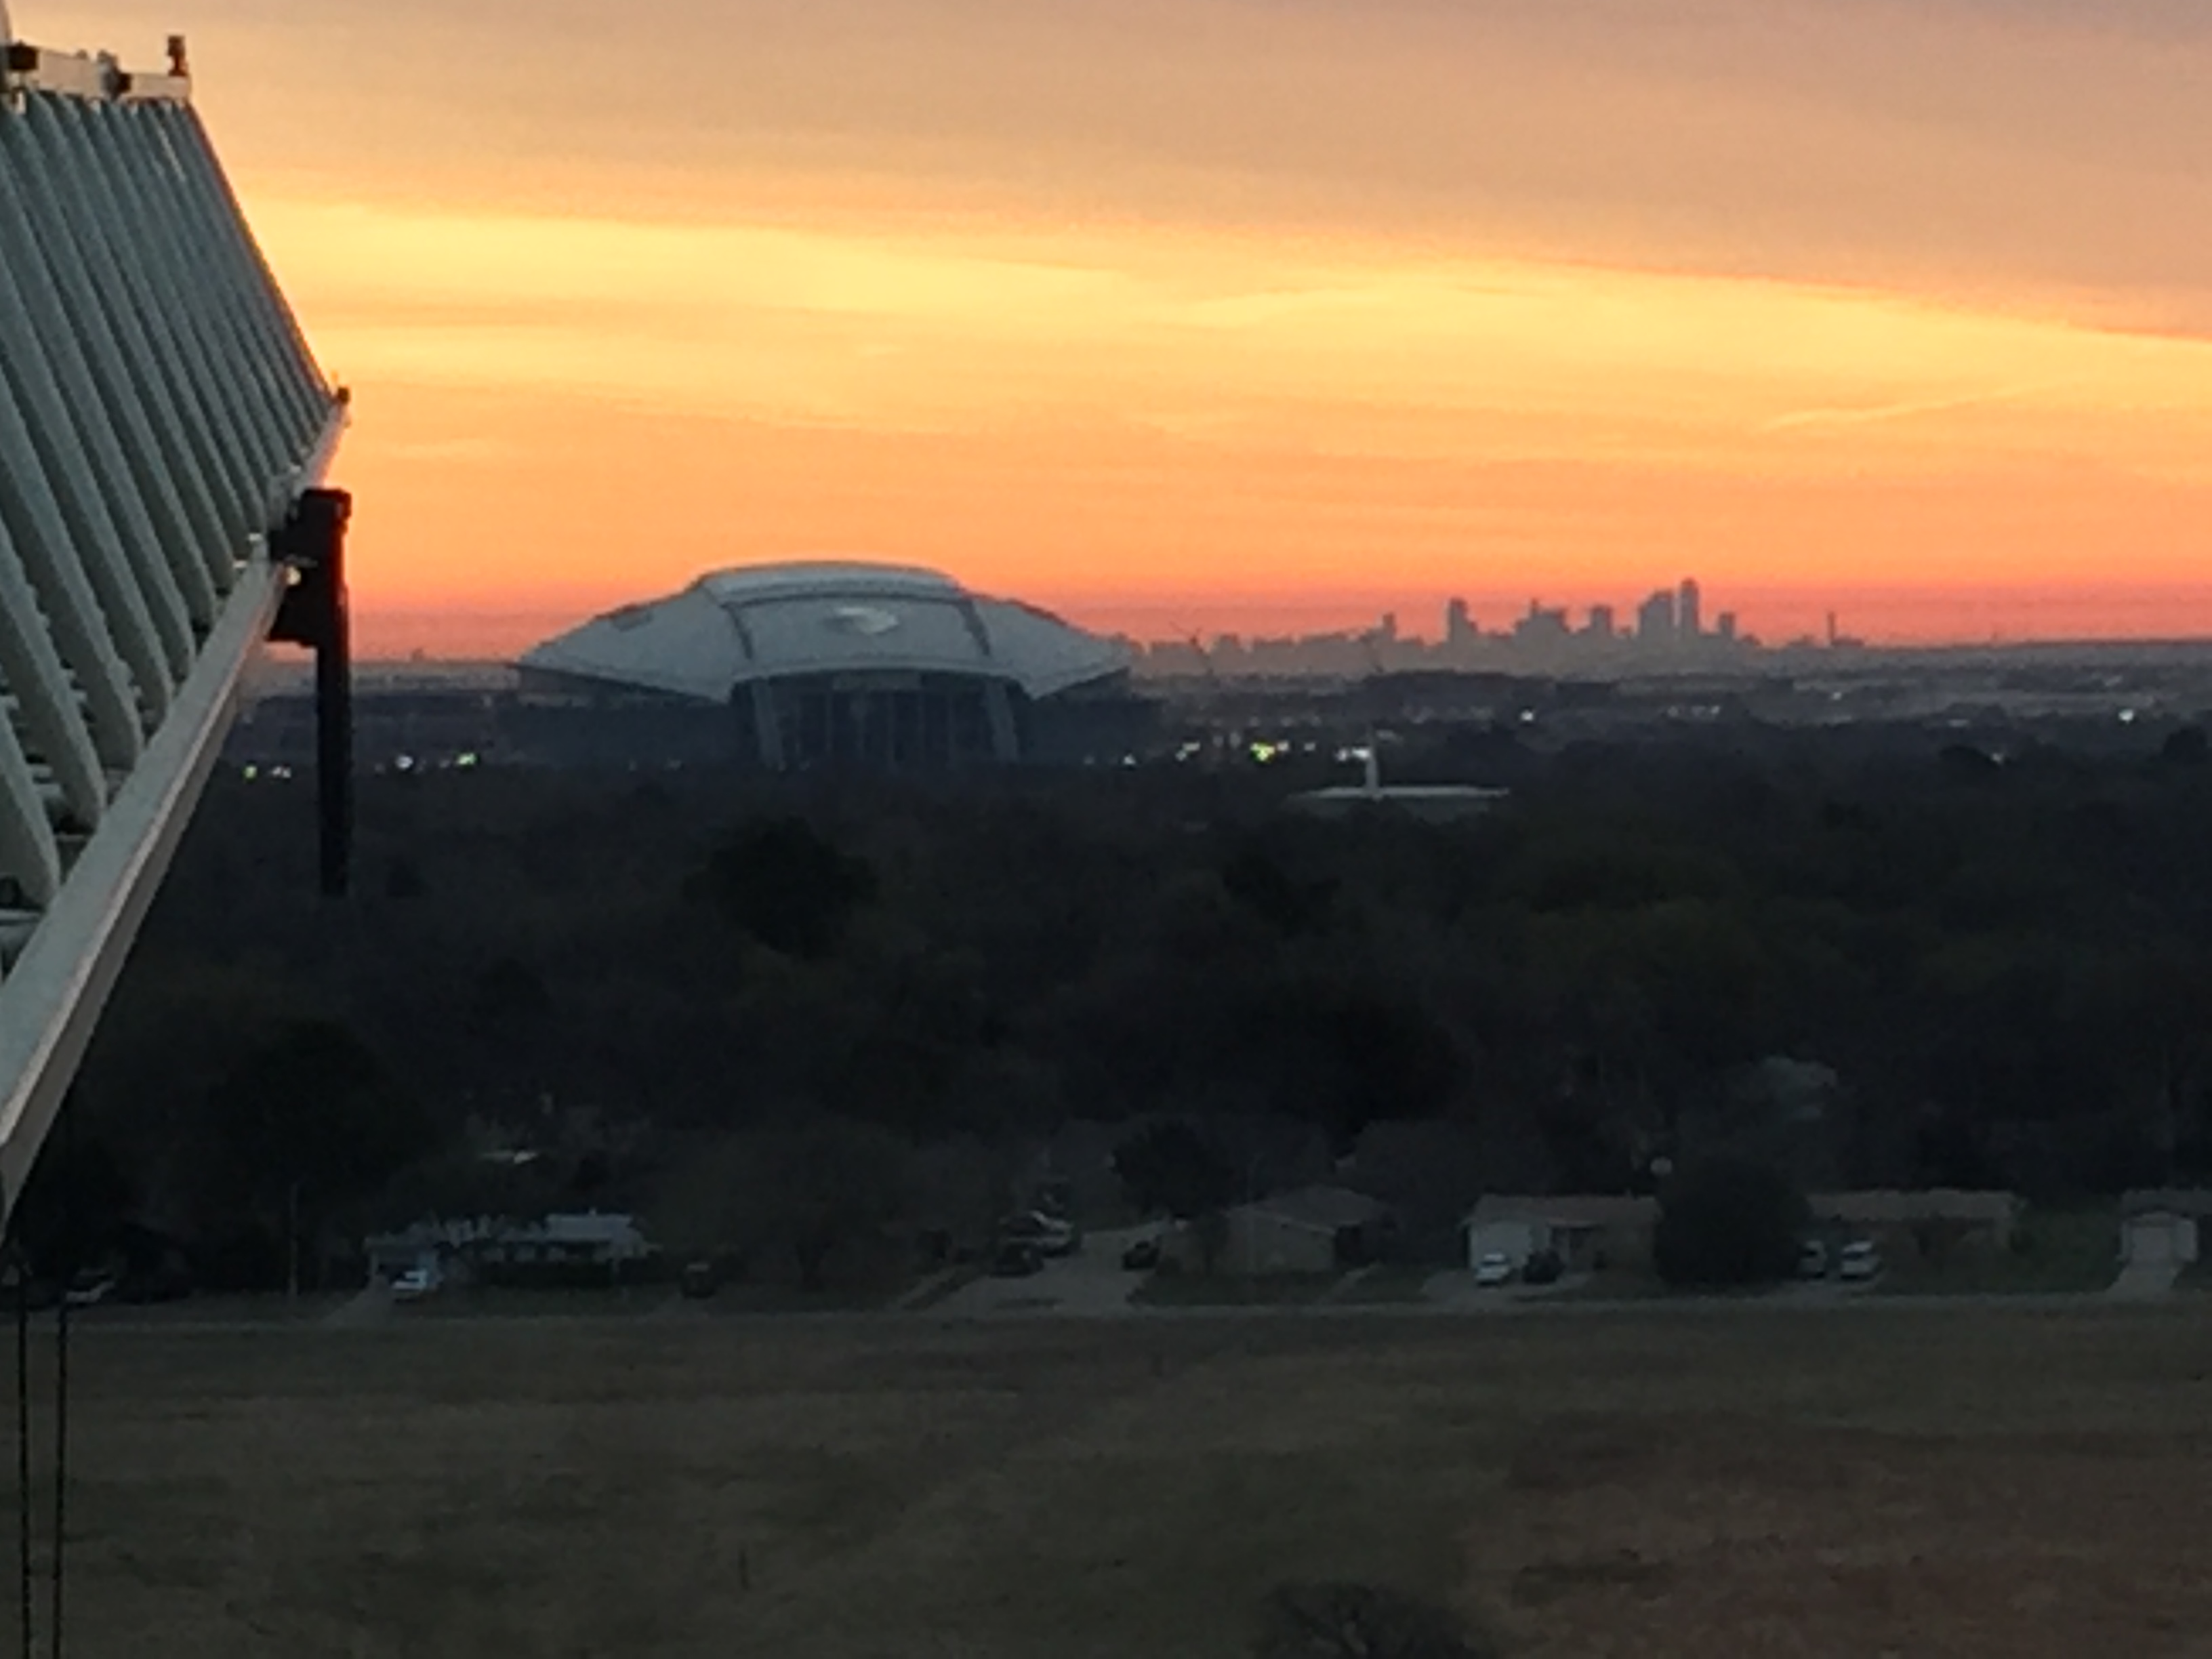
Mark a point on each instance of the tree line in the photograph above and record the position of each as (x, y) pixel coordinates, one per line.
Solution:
(1867, 959)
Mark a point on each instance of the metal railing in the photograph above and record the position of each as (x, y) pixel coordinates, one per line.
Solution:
(164, 435)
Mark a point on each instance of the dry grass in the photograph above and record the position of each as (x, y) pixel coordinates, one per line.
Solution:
(1984, 1481)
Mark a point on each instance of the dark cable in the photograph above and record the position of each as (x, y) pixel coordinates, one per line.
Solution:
(62, 1418)
(23, 1439)
(61, 1467)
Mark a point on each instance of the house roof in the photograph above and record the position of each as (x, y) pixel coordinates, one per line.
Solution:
(589, 1227)
(1566, 1210)
(2170, 1201)
(1322, 1209)
(731, 628)
(1892, 1206)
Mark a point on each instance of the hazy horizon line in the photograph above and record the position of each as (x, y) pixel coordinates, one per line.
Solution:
(1879, 616)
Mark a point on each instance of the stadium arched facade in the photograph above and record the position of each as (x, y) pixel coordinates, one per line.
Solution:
(821, 664)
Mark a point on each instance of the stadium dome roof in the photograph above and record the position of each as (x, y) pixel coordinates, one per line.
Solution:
(767, 621)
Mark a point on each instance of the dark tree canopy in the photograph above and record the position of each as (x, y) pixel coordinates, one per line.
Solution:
(1174, 1169)
(309, 1116)
(1728, 1221)
(785, 884)
(2002, 959)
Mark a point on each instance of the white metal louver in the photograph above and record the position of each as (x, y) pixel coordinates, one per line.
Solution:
(163, 427)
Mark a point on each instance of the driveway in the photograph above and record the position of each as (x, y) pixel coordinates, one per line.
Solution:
(2144, 1281)
(1090, 1283)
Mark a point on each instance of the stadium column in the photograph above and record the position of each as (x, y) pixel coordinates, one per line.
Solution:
(998, 709)
(768, 728)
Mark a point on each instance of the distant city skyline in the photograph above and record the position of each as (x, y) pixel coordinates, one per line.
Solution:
(1878, 616)
(1667, 629)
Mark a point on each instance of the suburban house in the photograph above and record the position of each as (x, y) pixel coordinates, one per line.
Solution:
(486, 1246)
(1923, 1224)
(1585, 1232)
(1312, 1229)
(430, 1247)
(588, 1239)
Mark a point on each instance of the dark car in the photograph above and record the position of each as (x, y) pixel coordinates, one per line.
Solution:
(1015, 1260)
(1544, 1268)
(1142, 1256)
(699, 1280)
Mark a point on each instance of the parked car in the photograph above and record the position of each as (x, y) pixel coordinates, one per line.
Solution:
(414, 1285)
(1050, 1234)
(1860, 1261)
(1812, 1259)
(1016, 1260)
(1495, 1268)
(89, 1289)
(1544, 1268)
(1143, 1255)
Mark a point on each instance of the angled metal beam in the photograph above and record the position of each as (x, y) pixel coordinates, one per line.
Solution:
(164, 437)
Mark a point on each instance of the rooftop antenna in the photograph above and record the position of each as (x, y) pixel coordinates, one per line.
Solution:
(1217, 698)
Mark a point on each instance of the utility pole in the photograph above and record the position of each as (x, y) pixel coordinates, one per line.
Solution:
(291, 1243)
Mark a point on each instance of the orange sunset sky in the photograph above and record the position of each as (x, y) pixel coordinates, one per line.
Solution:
(1244, 314)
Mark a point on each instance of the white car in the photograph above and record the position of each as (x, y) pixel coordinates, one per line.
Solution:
(1049, 1235)
(89, 1290)
(414, 1285)
(1495, 1268)
(1860, 1261)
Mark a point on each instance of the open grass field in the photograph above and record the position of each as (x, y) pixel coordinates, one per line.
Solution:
(1895, 1479)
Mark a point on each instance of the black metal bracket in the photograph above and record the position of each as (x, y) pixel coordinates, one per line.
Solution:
(311, 544)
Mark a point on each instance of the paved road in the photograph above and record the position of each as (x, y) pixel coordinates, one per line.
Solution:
(2145, 1281)
(1091, 1284)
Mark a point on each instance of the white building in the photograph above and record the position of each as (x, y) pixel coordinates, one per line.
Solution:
(839, 663)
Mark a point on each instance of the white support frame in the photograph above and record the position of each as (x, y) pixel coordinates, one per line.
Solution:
(161, 413)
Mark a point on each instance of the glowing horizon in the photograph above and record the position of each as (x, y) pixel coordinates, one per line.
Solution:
(1318, 310)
